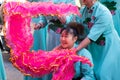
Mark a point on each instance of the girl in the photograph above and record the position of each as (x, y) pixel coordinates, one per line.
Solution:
(68, 37)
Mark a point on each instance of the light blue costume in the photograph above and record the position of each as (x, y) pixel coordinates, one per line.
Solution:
(106, 57)
(84, 71)
(116, 17)
(2, 68)
(40, 34)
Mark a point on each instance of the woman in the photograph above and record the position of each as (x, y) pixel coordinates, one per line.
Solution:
(102, 40)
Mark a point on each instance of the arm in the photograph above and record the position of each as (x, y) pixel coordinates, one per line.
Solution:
(101, 24)
(83, 44)
(87, 72)
(67, 19)
(40, 22)
(84, 71)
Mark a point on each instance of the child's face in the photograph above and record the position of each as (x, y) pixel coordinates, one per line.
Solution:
(67, 40)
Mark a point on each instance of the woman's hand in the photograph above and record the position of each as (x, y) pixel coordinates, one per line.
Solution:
(62, 19)
(74, 50)
(83, 44)
(37, 26)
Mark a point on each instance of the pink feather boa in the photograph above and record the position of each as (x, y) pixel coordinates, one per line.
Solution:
(20, 39)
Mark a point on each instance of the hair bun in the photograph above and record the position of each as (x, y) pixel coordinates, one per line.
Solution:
(77, 26)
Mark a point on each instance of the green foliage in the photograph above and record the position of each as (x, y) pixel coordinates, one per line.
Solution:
(101, 38)
(55, 24)
(87, 20)
(110, 5)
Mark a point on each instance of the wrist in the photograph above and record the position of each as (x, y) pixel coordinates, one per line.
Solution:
(76, 49)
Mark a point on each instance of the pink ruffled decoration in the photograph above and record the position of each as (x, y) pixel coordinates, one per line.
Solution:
(20, 39)
(32, 9)
(41, 63)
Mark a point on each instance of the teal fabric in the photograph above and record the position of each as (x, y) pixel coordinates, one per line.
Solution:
(70, 18)
(46, 77)
(2, 68)
(40, 35)
(105, 57)
(116, 17)
(84, 70)
(64, 1)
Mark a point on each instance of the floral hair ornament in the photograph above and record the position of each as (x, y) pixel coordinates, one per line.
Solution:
(19, 39)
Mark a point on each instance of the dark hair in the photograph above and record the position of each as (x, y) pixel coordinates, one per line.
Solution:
(74, 28)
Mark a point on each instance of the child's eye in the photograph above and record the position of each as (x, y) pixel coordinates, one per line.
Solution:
(61, 36)
(64, 36)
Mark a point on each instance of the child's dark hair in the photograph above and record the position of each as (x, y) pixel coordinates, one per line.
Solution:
(74, 28)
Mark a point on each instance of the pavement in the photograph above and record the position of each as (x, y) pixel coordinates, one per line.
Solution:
(11, 72)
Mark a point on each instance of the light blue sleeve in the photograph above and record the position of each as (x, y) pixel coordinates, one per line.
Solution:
(97, 29)
(86, 69)
(74, 18)
(43, 20)
(70, 18)
(40, 19)
(102, 23)
(79, 18)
